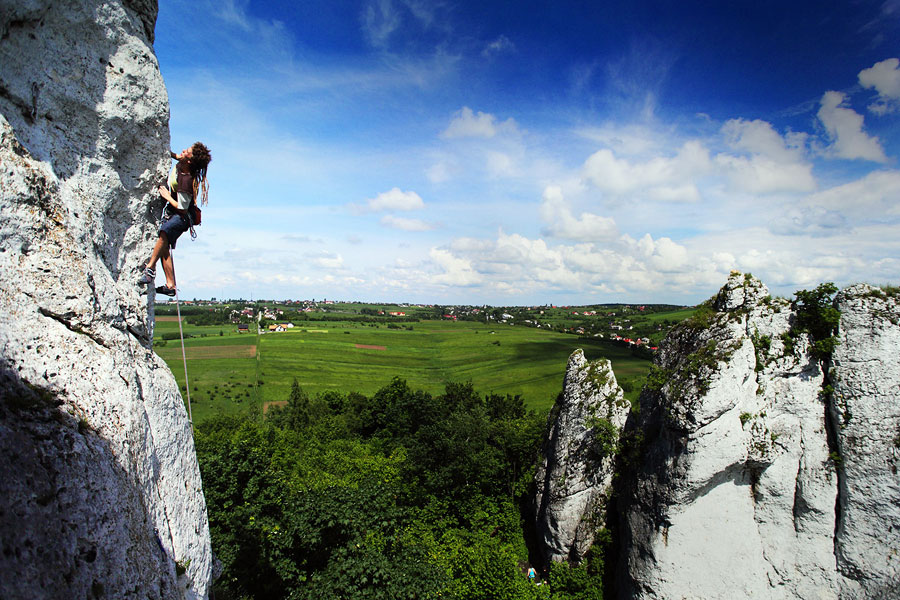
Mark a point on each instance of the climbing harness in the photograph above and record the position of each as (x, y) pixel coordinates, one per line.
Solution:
(187, 215)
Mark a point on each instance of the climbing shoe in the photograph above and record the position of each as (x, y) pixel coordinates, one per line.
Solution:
(165, 290)
(148, 277)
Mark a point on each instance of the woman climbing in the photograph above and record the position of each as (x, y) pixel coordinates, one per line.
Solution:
(186, 182)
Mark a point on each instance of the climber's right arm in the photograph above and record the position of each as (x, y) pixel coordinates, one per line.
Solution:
(164, 192)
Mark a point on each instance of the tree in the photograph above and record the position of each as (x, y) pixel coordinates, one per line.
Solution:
(295, 415)
(817, 316)
(401, 495)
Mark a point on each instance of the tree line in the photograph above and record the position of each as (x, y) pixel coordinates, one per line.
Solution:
(402, 494)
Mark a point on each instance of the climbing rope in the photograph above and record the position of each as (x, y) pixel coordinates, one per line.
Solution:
(187, 385)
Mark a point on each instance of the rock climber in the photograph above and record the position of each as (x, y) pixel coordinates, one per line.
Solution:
(186, 183)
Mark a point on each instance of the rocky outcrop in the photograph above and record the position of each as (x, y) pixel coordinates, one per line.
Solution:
(751, 479)
(574, 481)
(100, 492)
(865, 408)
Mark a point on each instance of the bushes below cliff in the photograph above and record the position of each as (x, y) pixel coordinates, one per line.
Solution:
(401, 495)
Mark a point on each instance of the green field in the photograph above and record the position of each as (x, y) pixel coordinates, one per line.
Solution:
(235, 372)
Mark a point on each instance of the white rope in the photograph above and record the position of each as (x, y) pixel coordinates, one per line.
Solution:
(187, 385)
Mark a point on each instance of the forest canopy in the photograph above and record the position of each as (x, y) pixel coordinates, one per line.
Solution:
(399, 495)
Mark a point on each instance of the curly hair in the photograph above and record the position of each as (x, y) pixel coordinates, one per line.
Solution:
(200, 159)
(199, 162)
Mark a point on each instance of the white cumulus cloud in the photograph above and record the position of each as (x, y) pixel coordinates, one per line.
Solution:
(668, 179)
(874, 195)
(467, 124)
(774, 164)
(456, 271)
(560, 223)
(760, 138)
(760, 175)
(845, 128)
(663, 255)
(884, 77)
(393, 200)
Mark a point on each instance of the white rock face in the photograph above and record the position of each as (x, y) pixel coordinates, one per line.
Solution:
(574, 481)
(748, 484)
(100, 492)
(866, 408)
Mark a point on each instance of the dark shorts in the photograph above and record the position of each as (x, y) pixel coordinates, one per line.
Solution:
(173, 226)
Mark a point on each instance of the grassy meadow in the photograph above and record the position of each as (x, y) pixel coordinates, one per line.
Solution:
(231, 372)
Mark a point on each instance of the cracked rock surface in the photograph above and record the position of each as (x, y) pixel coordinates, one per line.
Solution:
(100, 492)
(866, 409)
(751, 483)
(574, 480)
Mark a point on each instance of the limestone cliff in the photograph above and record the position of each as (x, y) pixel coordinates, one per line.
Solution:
(865, 408)
(100, 492)
(751, 479)
(574, 480)
(756, 467)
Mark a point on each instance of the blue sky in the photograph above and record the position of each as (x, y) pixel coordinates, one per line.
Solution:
(535, 152)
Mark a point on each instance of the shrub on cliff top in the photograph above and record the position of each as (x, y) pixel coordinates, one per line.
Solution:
(817, 316)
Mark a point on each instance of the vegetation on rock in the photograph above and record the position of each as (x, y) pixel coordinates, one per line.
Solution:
(817, 317)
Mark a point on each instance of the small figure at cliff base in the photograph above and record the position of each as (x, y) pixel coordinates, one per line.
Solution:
(185, 184)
